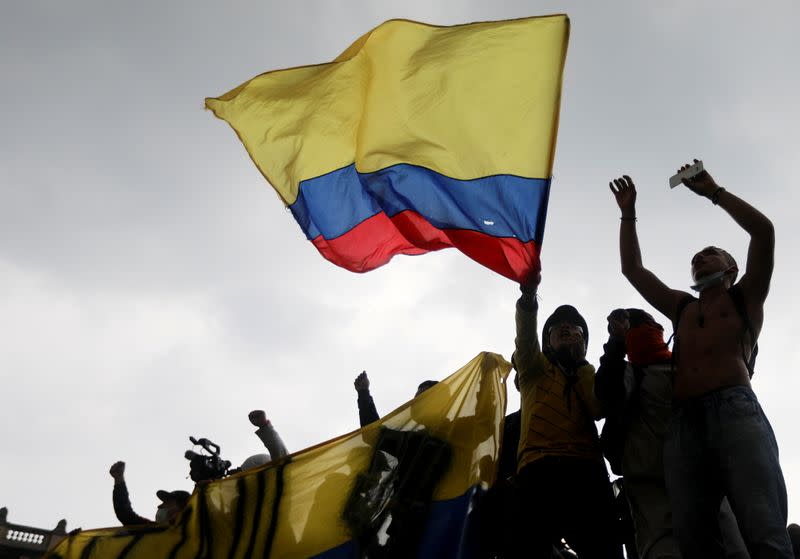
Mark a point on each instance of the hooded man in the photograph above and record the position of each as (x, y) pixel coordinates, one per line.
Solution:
(564, 490)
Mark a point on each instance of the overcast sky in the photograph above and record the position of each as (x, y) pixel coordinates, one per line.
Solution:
(152, 286)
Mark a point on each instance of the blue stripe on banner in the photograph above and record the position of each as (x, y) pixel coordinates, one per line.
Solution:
(450, 532)
(500, 205)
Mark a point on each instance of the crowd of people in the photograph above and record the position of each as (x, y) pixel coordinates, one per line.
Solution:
(683, 427)
(697, 458)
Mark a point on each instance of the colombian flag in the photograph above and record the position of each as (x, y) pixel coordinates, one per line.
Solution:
(416, 138)
(404, 486)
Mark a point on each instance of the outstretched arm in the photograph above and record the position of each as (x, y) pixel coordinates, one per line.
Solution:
(367, 412)
(527, 349)
(609, 384)
(121, 500)
(643, 280)
(761, 251)
(268, 435)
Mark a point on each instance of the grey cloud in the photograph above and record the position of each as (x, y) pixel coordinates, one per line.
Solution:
(152, 286)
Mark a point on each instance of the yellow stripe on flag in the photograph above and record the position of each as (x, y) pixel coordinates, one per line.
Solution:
(466, 101)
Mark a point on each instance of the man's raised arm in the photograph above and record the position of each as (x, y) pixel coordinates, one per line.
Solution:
(527, 348)
(643, 280)
(268, 435)
(121, 500)
(367, 412)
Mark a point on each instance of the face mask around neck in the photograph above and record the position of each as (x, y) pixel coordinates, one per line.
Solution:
(710, 280)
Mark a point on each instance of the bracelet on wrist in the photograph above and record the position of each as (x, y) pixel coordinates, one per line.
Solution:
(715, 195)
(628, 218)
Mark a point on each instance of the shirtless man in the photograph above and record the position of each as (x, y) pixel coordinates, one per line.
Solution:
(719, 442)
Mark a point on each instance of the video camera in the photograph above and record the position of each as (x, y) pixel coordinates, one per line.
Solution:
(204, 467)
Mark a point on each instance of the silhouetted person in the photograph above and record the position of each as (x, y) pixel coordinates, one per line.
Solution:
(172, 502)
(564, 491)
(719, 442)
(269, 436)
(637, 393)
(367, 412)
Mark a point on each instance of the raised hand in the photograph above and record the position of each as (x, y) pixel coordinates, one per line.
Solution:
(117, 470)
(531, 284)
(624, 192)
(701, 184)
(618, 323)
(258, 418)
(362, 381)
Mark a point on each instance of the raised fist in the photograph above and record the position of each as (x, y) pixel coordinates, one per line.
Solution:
(117, 470)
(362, 381)
(258, 418)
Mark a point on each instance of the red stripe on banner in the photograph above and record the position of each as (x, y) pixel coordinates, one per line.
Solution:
(376, 240)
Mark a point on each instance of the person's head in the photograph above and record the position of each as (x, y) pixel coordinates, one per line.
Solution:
(565, 333)
(644, 339)
(425, 385)
(639, 318)
(254, 461)
(712, 260)
(172, 503)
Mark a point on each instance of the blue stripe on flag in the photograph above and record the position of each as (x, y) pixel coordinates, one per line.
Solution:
(450, 533)
(500, 205)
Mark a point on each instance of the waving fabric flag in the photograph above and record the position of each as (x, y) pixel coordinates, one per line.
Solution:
(404, 486)
(416, 138)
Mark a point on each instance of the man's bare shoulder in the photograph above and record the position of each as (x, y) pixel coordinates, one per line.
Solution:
(753, 305)
(680, 301)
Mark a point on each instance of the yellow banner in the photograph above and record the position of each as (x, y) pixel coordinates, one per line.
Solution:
(333, 498)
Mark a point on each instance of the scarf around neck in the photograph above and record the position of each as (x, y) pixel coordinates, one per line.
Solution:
(646, 346)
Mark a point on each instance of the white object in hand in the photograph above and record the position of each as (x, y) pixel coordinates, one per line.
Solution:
(687, 173)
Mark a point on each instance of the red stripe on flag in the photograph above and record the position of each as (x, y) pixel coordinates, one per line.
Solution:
(374, 241)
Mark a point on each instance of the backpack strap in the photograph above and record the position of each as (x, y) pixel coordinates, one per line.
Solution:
(738, 301)
(682, 304)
